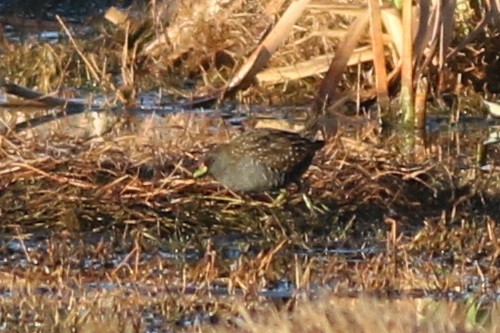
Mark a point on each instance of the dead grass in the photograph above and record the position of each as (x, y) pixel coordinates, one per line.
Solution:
(153, 169)
(332, 314)
(113, 232)
(115, 310)
(176, 43)
(123, 211)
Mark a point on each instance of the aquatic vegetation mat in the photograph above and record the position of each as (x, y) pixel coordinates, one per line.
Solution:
(89, 222)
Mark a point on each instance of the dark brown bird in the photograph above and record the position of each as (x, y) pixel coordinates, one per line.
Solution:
(261, 159)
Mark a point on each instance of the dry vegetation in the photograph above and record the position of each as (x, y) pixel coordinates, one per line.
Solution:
(96, 229)
(104, 227)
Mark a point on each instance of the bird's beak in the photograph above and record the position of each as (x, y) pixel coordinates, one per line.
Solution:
(202, 171)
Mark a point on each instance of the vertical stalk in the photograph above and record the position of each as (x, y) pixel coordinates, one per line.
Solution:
(379, 60)
(407, 93)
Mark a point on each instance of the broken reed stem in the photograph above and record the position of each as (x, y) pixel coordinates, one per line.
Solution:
(87, 62)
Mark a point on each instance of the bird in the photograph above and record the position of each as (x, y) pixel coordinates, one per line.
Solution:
(261, 159)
